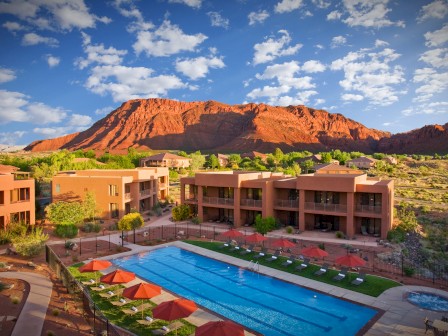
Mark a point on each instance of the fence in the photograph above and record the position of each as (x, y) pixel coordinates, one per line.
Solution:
(99, 323)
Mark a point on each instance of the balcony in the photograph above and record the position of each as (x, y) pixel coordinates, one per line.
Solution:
(251, 203)
(145, 192)
(217, 200)
(368, 208)
(162, 185)
(127, 196)
(191, 199)
(326, 207)
(287, 203)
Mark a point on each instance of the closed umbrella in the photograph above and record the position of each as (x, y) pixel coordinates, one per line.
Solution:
(220, 328)
(95, 266)
(142, 291)
(314, 252)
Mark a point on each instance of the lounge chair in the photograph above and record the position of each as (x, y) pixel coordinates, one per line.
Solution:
(236, 247)
(120, 302)
(248, 250)
(147, 321)
(303, 265)
(261, 254)
(364, 231)
(274, 256)
(166, 329)
(322, 270)
(99, 288)
(108, 294)
(341, 275)
(359, 279)
(89, 282)
(225, 245)
(290, 261)
(133, 309)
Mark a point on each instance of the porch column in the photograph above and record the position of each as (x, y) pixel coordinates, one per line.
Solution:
(200, 207)
(302, 225)
(350, 229)
(236, 207)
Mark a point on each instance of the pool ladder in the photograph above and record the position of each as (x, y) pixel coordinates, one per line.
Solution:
(254, 266)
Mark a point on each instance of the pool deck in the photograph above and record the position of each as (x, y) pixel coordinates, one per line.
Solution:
(400, 317)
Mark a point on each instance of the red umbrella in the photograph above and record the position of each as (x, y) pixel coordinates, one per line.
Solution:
(117, 277)
(255, 238)
(314, 252)
(220, 328)
(142, 291)
(175, 309)
(232, 233)
(350, 260)
(283, 242)
(95, 265)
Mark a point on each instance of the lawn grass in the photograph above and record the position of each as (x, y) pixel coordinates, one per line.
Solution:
(115, 314)
(372, 285)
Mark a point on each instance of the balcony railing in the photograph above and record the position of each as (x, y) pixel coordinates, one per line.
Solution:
(251, 202)
(127, 196)
(326, 207)
(287, 203)
(217, 200)
(145, 192)
(368, 208)
(191, 199)
(162, 185)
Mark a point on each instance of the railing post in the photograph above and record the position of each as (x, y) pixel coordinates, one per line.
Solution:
(79, 245)
(200, 230)
(214, 232)
(96, 244)
(134, 235)
(402, 264)
(122, 238)
(109, 241)
(162, 231)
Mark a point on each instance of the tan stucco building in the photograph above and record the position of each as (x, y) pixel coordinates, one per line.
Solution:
(116, 191)
(17, 199)
(165, 160)
(330, 199)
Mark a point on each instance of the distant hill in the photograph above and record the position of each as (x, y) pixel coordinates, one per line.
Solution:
(9, 148)
(163, 124)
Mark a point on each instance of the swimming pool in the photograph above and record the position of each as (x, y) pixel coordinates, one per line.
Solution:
(264, 304)
(429, 301)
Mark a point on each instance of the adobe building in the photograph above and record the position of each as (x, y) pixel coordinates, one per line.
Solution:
(116, 191)
(165, 160)
(328, 200)
(362, 162)
(17, 199)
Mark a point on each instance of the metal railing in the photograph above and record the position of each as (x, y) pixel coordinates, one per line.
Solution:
(217, 200)
(287, 203)
(368, 208)
(326, 207)
(145, 192)
(251, 202)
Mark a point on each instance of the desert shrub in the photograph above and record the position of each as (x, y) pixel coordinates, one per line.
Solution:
(181, 212)
(55, 312)
(50, 333)
(322, 246)
(339, 234)
(69, 244)
(66, 231)
(396, 235)
(131, 221)
(15, 299)
(5, 237)
(91, 227)
(195, 220)
(408, 271)
(113, 227)
(264, 225)
(289, 229)
(31, 244)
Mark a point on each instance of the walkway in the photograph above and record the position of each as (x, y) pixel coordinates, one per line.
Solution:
(32, 316)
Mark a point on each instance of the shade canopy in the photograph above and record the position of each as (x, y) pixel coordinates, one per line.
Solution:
(255, 238)
(314, 252)
(95, 265)
(350, 260)
(220, 328)
(175, 309)
(232, 233)
(142, 291)
(283, 242)
(117, 277)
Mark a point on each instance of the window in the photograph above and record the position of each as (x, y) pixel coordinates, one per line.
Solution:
(14, 195)
(58, 188)
(327, 197)
(113, 207)
(113, 190)
(2, 197)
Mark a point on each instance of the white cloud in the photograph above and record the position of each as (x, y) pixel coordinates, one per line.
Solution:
(125, 83)
(427, 108)
(218, 20)
(321, 3)
(190, 3)
(13, 26)
(271, 48)
(15, 106)
(79, 120)
(286, 6)
(167, 40)
(380, 43)
(97, 53)
(6, 75)
(338, 41)
(257, 17)
(50, 14)
(33, 39)
(313, 66)
(431, 81)
(371, 75)
(10, 138)
(104, 110)
(52, 60)
(196, 68)
(368, 13)
(437, 9)
(319, 101)
(438, 37)
(334, 15)
(354, 97)
(52, 132)
(268, 91)
(436, 57)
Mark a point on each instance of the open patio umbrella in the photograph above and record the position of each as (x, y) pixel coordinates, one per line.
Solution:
(174, 309)
(220, 328)
(142, 291)
(314, 252)
(232, 233)
(255, 238)
(350, 260)
(95, 266)
(117, 277)
(283, 243)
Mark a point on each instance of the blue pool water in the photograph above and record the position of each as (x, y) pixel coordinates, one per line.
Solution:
(264, 304)
(429, 301)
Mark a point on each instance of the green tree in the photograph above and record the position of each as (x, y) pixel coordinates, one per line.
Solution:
(181, 212)
(131, 221)
(307, 165)
(182, 153)
(89, 206)
(197, 161)
(264, 225)
(234, 161)
(212, 161)
(65, 212)
(278, 156)
(293, 170)
(408, 221)
(326, 157)
(31, 244)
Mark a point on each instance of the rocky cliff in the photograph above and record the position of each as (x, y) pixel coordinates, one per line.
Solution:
(212, 126)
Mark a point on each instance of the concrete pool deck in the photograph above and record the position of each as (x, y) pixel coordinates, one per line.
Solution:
(400, 317)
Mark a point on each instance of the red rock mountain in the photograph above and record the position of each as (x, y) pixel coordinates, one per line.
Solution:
(211, 126)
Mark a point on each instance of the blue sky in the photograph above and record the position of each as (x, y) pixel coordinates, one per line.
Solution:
(67, 63)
